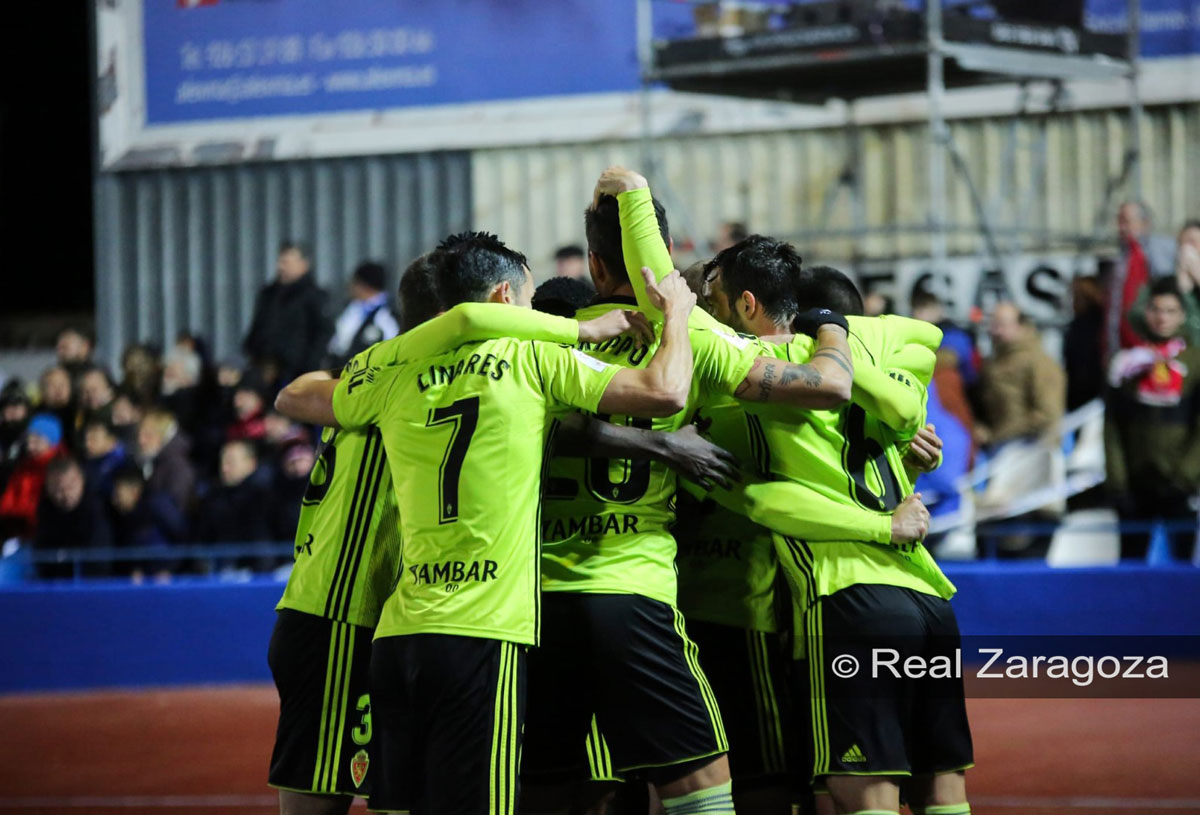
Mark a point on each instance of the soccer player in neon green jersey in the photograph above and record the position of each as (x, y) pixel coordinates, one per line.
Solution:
(346, 558)
(465, 431)
(608, 561)
(856, 595)
(728, 568)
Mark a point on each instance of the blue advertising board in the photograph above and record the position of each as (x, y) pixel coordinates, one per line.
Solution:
(223, 59)
(215, 59)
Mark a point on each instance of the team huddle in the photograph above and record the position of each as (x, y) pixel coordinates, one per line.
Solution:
(604, 562)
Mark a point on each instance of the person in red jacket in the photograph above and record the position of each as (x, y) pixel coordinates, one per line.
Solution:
(19, 502)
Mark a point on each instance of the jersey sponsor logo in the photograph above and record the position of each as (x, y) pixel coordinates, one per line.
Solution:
(453, 571)
(591, 362)
(629, 348)
(592, 526)
(485, 365)
(722, 548)
(358, 767)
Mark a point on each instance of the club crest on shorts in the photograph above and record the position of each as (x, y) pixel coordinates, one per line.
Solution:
(358, 767)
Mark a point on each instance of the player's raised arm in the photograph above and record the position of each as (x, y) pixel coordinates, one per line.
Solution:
(642, 244)
(825, 381)
(661, 388)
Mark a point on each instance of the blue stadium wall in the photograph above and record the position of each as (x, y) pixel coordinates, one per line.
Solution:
(189, 249)
(116, 635)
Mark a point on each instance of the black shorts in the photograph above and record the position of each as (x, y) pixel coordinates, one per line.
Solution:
(448, 714)
(883, 724)
(747, 670)
(321, 669)
(626, 659)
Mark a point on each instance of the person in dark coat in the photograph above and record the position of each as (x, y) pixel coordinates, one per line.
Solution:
(142, 517)
(237, 509)
(71, 515)
(163, 453)
(291, 325)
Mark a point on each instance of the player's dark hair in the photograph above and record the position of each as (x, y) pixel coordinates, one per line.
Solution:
(1166, 286)
(419, 298)
(473, 263)
(765, 267)
(602, 223)
(562, 296)
(826, 287)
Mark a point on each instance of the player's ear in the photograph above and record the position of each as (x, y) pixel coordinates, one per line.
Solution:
(596, 269)
(502, 293)
(748, 304)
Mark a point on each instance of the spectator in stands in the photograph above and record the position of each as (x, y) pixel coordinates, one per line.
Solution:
(163, 455)
(295, 466)
(104, 454)
(571, 262)
(96, 394)
(729, 233)
(142, 517)
(1143, 256)
(15, 409)
(58, 398)
(127, 414)
(71, 516)
(19, 501)
(142, 373)
(249, 409)
(1083, 355)
(290, 328)
(1021, 388)
(1152, 425)
(876, 303)
(74, 346)
(928, 306)
(192, 394)
(367, 319)
(237, 510)
(1187, 273)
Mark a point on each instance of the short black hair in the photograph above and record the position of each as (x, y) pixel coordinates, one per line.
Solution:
(826, 287)
(303, 249)
(129, 473)
(767, 268)
(602, 223)
(1166, 286)
(737, 231)
(419, 298)
(562, 296)
(60, 465)
(1190, 223)
(94, 367)
(103, 423)
(472, 264)
(371, 274)
(571, 250)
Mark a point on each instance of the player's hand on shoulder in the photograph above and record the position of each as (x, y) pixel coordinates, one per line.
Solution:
(614, 324)
(910, 520)
(669, 294)
(697, 458)
(616, 180)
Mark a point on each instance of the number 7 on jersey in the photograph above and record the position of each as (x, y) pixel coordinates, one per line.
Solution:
(463, 415)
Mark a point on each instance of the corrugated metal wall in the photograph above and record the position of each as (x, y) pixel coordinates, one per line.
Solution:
(189, 249)
(779, 183)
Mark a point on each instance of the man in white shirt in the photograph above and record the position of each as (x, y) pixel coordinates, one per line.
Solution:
(367, 318)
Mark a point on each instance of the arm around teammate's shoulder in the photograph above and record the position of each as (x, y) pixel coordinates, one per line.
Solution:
(662, 387)
(825, 381)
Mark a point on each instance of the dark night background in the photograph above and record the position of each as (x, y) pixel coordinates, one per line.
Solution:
(45, 163)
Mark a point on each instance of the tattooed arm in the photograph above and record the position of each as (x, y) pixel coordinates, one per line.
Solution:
(825, 381)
